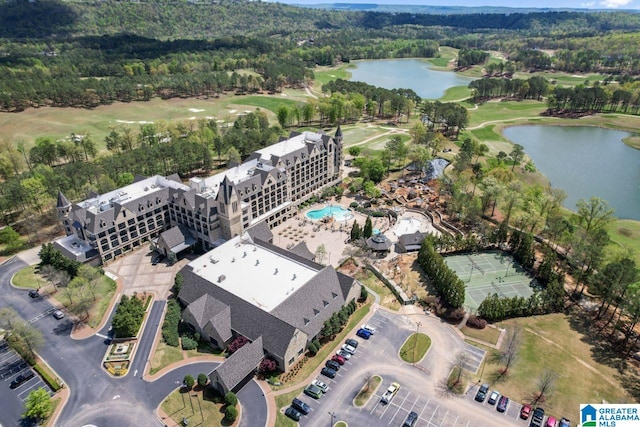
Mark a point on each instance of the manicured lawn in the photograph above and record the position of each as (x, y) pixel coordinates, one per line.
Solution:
(199, 408)
(456, 93)
(502, 111)
(27, 278)
(340, 424)
(624, 235)
(459, 387)
(387, 299)
(560, 347)
(282, 402)
(324, 75)
(365, 392)
(489, 335)
(415, 347)
(271, 103)
(164, 355)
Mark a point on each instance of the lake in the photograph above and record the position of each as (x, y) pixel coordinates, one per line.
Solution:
(585, 162)
(407, 74)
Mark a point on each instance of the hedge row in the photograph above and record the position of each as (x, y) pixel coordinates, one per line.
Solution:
(386, 282)
(51, 382)
(170, 325)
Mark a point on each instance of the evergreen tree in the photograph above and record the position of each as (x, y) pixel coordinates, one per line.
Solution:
(368, 228)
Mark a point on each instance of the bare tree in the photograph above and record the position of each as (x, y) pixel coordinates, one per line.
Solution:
(30, 337)
(8, 318)
(458, 365)
(368, 381)
(545, 385)
(511, 346)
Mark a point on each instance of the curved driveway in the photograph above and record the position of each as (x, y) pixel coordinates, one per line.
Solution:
(95, 397)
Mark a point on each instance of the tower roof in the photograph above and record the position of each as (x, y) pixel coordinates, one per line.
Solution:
(338, 132)
(63, 202)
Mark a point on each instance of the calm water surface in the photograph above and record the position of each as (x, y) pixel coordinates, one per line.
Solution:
(407, 74)
(585, 162)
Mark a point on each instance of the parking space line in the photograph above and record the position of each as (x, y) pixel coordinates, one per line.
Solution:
(434, 412)
(424, 407)
(445, 417)
(399, 407)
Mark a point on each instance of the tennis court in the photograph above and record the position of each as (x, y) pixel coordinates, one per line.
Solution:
(488, 273)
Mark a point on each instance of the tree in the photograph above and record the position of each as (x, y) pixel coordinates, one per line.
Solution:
(230, 413)
(203, 379)
(545, 385)
(368, 228)
(234, 155)
(231, 399)
(459, 364)
(511, 347)
(321, 252)
(356, 232)
(269, 365)
(594, 214)
(516, 154)
(188, 382)
(313, 349)
(364, 293)
(354, 151)
(8, 318)
(10, 238)
(29, 338)
(38, 405)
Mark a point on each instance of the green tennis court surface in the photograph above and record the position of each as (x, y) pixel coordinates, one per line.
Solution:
(488, 273)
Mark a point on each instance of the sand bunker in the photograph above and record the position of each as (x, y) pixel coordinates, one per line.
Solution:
(196, 110)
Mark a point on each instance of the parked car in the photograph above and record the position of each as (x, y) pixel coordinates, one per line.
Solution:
(292, 413)
(502, 404)
(482, 392)
(58, 314)
(322, 386)
(525, 411)
(493, 397)
(328, 372)
(411, 419)
(369, 329)
(564, 422)
(21, 379)
(332, 364)
(313, 391)
(537, 417)
(33, 293)
(353, 343)
(551, 422)
(349, 349)
(362, 333)
(339, 359)
(344, 354)
(391, 391)
(302, 407)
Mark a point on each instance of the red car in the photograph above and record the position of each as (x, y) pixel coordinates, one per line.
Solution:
(339, 359)
(525, 411)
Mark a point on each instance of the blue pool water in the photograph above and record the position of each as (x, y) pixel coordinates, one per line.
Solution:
(339, 213)
(376, 231)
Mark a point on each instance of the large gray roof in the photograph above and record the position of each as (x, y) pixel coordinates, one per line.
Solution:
(177, 235)
(260, 231)
(240, 364)
(246, 318)
(411, 241)
(302, 250)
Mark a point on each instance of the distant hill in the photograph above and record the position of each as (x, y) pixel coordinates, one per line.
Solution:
(441, 10)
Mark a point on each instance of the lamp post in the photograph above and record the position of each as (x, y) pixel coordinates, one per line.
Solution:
(415, 345)
(333, 415)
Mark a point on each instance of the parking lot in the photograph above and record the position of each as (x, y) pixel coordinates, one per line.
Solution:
(12, 365)
(379, 356)
(513, 408)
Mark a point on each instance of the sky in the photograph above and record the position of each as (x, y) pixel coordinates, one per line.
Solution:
(590, 4)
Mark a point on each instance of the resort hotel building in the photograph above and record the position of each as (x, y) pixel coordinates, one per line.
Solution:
(268, 186)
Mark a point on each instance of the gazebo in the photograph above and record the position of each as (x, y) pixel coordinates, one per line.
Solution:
(379, 243)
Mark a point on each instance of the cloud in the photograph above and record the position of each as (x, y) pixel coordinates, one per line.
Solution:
(614, 4)
(589, 4)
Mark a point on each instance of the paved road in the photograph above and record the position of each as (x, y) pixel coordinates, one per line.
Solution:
(96, 398)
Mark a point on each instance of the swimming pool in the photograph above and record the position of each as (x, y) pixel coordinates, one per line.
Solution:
(339, 213)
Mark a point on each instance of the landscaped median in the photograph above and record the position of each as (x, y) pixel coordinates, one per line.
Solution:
(415, 348)
(370, 386)
(128, 322)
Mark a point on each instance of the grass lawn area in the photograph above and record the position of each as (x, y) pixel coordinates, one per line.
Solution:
(387, 299)
(266, 102)
(551, 342)
(457, 387)
(367, 390)
(282, 401)
(456, 93)
(356, 134)
(625, 236)
(415, 347)
(198, 407)
(487, 334)
(204, 349)
(164, 356)
(328, 348)
(324, 75)
(501, 111)
(340, 424)
(28, 279)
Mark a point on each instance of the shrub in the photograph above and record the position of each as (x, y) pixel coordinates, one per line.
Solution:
(188, 382)
(267, 365)
(456, 315)
(203, 379)
(353, 205)
(231, 399)
(363, 293)
(230, 413)
(237, 344)
(189, 343)
(128, 317)
(313, 349)
(475, 322)
(170, 325)
(196, 336)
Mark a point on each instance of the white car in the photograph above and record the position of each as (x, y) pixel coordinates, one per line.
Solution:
(391, 391)
(369, 329)
(344, 354)
(349, 349)
(322, 386)
(58, 314)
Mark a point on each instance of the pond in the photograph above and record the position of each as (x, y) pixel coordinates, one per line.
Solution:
(407, 74)
(585, 162)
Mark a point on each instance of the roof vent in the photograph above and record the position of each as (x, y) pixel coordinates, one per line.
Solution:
(255, 248)
(257, 262)
(221, 278)
(294, 276)
(275, 272)
(244, 255)
(233, 259)
(213, 260)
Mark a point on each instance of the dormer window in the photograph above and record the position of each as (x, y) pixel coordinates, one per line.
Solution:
(334, 295)
(324, 303)
(315, 312)
(305, 320)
